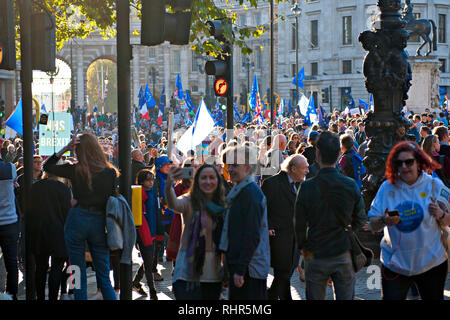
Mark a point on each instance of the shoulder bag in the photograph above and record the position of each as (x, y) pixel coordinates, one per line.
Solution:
(361, 255)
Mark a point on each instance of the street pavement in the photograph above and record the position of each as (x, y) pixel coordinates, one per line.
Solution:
(368, 283)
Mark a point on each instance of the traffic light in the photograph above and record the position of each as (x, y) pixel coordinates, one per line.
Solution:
(221, 68)
(43, 43)
(2, 109)
(325, 95)
(158, 26)
(223, 107)
(7, 35)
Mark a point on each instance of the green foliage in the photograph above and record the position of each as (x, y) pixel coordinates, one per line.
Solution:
(79, 18)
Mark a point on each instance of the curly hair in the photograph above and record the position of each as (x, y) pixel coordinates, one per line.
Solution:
(425, 162)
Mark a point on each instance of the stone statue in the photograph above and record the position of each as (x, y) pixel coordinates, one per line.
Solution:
(420, 27)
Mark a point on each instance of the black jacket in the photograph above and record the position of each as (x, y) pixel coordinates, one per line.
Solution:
(317, 228)
(47, 212)
(280, 214)
(136, 166)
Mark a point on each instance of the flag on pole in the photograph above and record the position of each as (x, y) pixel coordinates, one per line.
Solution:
(237, 116)
(303, 105)
(364, 104)
(191, 107)
(95, 108)
(15, 121)
(311, 114)
(162, 102)
(298, 79)
(148, 97)
(323, 120)
(200, 129)
(371, 104)
(43, 108)
(290, 107)
(178, 94)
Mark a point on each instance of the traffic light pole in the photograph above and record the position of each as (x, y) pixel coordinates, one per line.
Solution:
(124, 119)
(26, 77)
(271, 62)
(230, 104)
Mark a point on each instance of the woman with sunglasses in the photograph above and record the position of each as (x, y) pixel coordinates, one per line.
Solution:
(409, 206)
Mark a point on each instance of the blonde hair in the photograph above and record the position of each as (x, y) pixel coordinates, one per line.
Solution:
(91, 158)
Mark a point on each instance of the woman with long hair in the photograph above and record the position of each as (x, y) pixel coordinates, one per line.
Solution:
(197, 274)
(410, 206)
(94, 180)
(432, 147)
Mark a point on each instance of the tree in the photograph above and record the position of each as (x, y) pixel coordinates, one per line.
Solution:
(79, 18)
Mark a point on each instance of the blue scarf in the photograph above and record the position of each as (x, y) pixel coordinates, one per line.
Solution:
(165, 211)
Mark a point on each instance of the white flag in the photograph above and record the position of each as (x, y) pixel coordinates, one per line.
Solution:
(303, 104)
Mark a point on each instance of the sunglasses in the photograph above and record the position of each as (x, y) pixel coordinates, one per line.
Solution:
(407, 162)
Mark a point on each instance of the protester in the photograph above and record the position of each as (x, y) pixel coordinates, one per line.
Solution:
(245, 237)
(93, 180)
(146, 179)
(280, 191)
(48, 208)
(325, 246)
(405, 208)
(197, 274)
(9, 226)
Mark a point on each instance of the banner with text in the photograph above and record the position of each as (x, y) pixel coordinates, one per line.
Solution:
(56, 134)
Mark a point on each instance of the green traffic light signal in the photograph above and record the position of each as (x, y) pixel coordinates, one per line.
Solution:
(223, 107)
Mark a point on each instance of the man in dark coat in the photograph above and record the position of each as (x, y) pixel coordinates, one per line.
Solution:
(137, 164)
(280, 191)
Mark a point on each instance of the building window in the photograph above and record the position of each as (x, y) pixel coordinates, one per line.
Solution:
(314, 33)
(258, 59)
(347, 66)
(442, 28)
(243, 20)
(347, 30)
(346, 92)
(443, 66)
(314, 69)
(151, 53)
(293, 36)
(258, 18)
(194, 65)
(176, 62)
(415, 38)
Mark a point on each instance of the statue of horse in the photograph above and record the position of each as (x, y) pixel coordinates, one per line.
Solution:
(421, 28)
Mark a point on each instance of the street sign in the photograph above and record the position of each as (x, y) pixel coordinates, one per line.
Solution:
(221, 86)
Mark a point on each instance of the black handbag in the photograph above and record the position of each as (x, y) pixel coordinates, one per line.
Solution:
(361, 255)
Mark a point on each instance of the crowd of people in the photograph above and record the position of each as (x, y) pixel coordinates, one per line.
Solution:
(276, 196)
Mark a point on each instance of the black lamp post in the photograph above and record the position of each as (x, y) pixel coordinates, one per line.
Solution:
(153, 74)
(297, 13)
(388, 77)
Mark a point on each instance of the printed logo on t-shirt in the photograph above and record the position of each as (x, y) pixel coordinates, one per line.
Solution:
(411, 214)
(445, 194)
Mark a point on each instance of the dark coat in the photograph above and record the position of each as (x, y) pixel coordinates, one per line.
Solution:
(280, 213)
(47, 212)
(136, 166)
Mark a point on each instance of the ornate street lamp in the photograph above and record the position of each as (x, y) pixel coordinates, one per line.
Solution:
(297, 11)
(388, 77)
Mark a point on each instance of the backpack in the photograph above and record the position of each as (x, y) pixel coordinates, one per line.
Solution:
(359, 169)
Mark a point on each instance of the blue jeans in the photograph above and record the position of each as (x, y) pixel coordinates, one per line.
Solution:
(339, 269)
(9, 237)
(81, 226)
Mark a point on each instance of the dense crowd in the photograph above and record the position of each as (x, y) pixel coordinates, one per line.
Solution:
(280, 196)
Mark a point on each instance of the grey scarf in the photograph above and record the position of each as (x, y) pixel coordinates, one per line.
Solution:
(234, 192)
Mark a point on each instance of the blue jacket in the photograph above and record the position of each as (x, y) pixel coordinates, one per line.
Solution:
(248, 234)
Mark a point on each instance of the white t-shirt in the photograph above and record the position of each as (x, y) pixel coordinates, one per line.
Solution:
(414, 246)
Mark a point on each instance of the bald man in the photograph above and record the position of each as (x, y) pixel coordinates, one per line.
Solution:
(274, 156)
(137, 164)
(281, 191)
